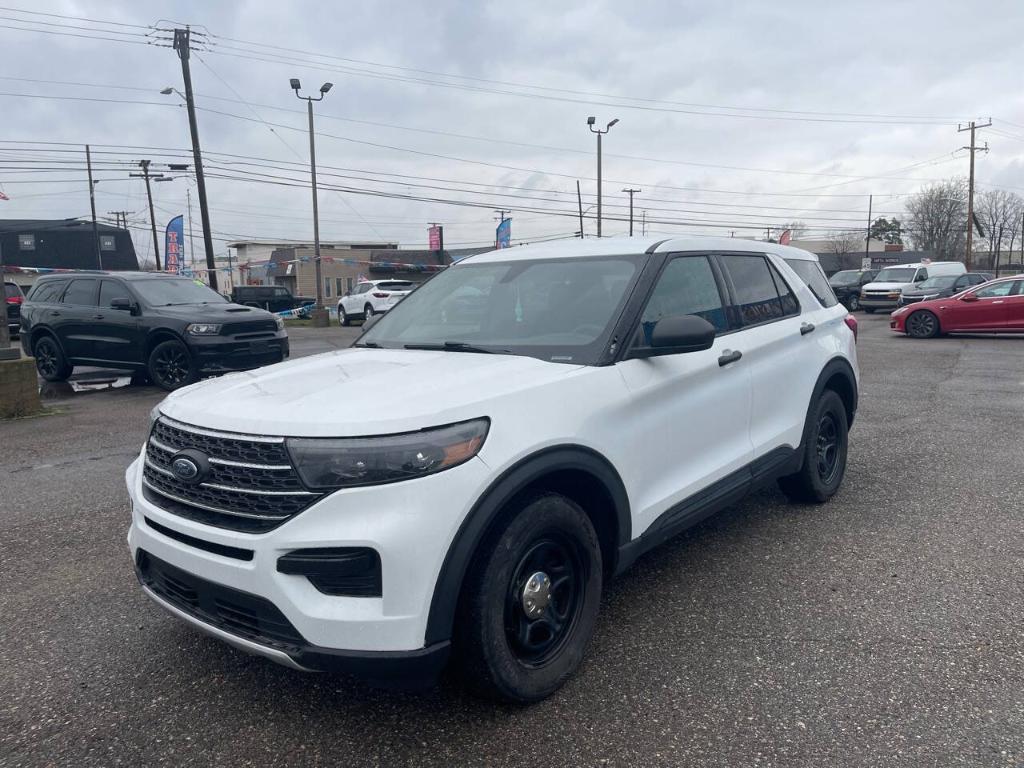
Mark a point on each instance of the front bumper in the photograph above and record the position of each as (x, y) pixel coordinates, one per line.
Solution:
(880, 302)
(216, 354)
(410, 524)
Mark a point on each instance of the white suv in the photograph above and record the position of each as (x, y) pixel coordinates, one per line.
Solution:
(372, 297)
(462, 483)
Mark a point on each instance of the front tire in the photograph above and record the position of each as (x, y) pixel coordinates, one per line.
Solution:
(529, 602)
(50, 361)
(922, 324)
(171, 365)
(825, 451)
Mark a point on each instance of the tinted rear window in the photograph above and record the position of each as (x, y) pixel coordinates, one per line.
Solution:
(810, 272)
(48, 291)
(12, 290)
(395, 286)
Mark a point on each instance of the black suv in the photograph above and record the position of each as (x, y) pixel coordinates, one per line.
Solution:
(847, 284)
(175, 329)
(273, 298)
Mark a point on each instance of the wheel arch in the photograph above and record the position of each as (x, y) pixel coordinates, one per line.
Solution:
(838, 376)
(579, 473)
(158, 336)
(39, 332)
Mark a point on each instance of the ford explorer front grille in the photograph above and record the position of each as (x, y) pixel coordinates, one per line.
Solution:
(247, 482)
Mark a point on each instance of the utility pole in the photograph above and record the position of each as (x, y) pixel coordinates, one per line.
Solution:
(590, 122)
(191, 240)
(867, 241)
(999, 249)
(643, 222)
(970, 184)
(92, 205)
(182, 38)
(121, 217)
(144, 164)
(631, 193)
(579, 203)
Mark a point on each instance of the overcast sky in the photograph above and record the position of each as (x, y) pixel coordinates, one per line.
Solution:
(733, 115)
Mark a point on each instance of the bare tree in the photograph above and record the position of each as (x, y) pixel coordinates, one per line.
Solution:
(938, 218)
(999, 212)
(845, 242)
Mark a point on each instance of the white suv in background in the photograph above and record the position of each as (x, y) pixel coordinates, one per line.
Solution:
(372, 297)
(462, 483)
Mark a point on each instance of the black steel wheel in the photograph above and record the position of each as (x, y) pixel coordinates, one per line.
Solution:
(824, 452)
(529, 601)
(827, 447)
(50, 361)
(171, 365)
(922, 324)
(543, 599)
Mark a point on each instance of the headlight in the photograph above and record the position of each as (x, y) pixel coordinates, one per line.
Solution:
(203, 329)
(154, 415)
(279, 323)
(901, 311)
(325, 463)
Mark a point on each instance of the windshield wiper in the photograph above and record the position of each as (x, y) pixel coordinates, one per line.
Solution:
(369, 344)
(456, 346)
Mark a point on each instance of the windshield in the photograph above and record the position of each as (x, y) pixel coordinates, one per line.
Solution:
(845, 277)
(896, 275)
(937, 282)
(556, 310)
(168, 291)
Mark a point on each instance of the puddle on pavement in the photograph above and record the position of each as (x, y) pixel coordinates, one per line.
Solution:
(59, 389)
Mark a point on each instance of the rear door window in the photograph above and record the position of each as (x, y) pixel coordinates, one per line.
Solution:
(81, 293)
(810, 272)
(48, 292)
(757, 298)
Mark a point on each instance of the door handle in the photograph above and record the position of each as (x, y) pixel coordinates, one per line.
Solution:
(729, 356)
(806, 328)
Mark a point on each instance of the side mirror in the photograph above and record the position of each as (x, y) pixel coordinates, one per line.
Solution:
(677, 335)
(121, 303)
(969, 297)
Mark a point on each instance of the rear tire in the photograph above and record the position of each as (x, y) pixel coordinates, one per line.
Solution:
(50, 361)
(825, 450)
(342, 317)
(171, 365)
(529, 602)
(368, 312)
(922, 324)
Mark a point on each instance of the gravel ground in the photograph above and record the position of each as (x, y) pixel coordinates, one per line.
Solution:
(883, 629)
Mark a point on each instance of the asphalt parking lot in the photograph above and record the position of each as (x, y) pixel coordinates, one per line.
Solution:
(883, 629)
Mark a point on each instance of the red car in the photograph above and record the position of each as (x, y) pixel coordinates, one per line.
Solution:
(994, 307)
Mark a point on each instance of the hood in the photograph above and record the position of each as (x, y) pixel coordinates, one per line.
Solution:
(215, 313)
(937, 292)
(359, 392)
(884, 286)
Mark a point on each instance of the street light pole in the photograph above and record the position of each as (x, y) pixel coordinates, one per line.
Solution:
(92, 205)
(590, 122)
(320, 315)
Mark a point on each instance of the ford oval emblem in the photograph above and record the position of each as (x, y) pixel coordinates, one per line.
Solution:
(184, 468)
